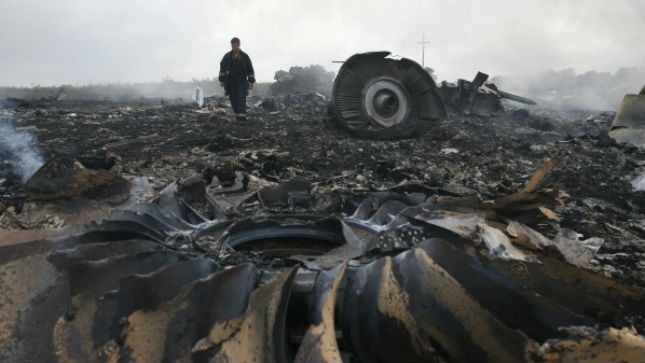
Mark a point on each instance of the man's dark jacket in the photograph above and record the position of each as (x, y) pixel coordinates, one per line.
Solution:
(231, 72)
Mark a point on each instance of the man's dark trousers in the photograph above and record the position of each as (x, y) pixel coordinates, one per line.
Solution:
(237, 94)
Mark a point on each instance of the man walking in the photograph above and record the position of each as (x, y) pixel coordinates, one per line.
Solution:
(236, 75)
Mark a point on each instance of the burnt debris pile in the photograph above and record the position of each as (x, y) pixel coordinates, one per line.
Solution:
(292, 273)
(172, 233)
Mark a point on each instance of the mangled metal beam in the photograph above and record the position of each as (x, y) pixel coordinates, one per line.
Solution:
(477, 97)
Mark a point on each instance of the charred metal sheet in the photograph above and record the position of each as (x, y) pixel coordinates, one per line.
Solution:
(173, 331)
(408, 308)
(628, 125)
(381, 98)
(259, 335)
(102, 319)
(143, 331)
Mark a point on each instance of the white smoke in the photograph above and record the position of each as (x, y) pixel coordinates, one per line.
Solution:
(568, 90)
(19, 149)
(198, 96)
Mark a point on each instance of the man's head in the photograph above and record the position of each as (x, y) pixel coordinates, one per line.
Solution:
(235, 44)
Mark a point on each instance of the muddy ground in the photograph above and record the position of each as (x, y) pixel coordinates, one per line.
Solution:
(462, 155)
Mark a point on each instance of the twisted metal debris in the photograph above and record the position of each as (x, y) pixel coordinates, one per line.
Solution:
(285, 274)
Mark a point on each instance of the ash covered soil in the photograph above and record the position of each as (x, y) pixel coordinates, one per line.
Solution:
(461, 155)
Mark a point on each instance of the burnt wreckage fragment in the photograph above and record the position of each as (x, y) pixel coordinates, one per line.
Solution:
(289, 275)
(477, 97)
(377, 97)
(382, 98)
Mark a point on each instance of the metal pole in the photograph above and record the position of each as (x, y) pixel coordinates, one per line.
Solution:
(423, 50)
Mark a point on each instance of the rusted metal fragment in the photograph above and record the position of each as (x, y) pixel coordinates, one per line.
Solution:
(320, 342)
(260, 335)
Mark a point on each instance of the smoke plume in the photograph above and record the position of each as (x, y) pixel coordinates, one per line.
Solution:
(18, 149)
(566, 90)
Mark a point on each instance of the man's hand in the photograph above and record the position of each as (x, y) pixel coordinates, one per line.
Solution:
(250, 85)
(221, 83)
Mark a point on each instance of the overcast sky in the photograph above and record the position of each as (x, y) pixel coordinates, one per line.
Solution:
(96, 41)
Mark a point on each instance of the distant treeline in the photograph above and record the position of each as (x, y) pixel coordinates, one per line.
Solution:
(562, 89)
(166, 89)
(310, 79)
(601, 91)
